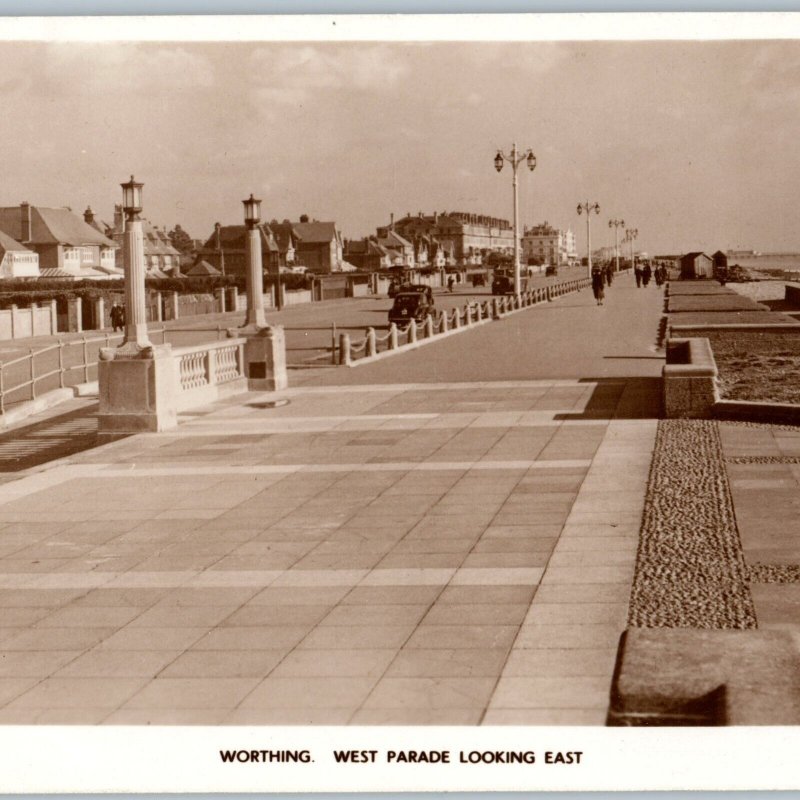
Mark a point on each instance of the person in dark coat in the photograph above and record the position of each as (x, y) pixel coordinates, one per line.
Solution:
(598, 286)
(117, 317)
(609, 274)
(637, 271)
(647, 273)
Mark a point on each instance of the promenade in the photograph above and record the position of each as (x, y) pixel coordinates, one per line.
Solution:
(447, 536)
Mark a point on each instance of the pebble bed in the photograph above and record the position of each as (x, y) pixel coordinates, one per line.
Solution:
(774, 573)
(690, 569)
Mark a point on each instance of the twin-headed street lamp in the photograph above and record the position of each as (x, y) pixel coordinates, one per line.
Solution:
(630, 236)
(515, 158)
(616, 224)
(588, 208)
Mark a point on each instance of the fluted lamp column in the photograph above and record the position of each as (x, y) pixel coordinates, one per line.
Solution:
(255, 317)
(136, 337)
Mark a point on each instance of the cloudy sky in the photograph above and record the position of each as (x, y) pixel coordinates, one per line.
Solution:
(693, 143)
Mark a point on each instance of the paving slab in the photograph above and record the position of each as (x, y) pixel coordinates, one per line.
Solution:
(432, 539)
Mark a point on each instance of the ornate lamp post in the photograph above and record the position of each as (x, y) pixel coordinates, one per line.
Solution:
(630, 236)
(588, 208)
(515, 159)
(136, 337)
(616, 224)
(255, 317)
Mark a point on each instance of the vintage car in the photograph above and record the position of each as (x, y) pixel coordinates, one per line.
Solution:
(410, 306)
(551, 270)
(503, 282)
(421, 288)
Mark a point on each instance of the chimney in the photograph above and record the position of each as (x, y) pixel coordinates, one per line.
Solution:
(25, 221)
(391, 221)
(435, 217)
(88, 215)
(119, 219)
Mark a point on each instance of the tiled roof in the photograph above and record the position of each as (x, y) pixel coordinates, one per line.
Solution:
(7, 244)
(52, 226)
(203, 268)
(315, 232)
(54, 272)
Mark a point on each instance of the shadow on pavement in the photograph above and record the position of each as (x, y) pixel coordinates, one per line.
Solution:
(53, 438)
(621, 398)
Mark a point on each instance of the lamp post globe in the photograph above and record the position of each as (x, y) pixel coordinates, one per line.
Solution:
(132, 198)
(252, 211)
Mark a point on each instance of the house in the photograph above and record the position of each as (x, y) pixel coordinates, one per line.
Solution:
(202, 269)
(62, 240)
(319, 246)
(696, 265)
(159, 254)
(544, 244)
(225, 249)
(366, 254)
(401, 248)
(16, 260)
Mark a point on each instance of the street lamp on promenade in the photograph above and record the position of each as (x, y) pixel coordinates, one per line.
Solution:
(616, 224)
(588, 208)
(515, 158)
(255, 317)
(630, 236)
(136, 337)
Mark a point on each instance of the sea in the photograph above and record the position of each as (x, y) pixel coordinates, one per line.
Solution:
(785, 261)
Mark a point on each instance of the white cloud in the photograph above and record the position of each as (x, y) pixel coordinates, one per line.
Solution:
(291, 74)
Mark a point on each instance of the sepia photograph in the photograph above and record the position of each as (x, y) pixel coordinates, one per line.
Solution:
(411, 374)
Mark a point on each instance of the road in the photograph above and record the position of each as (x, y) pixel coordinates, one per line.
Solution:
(310, 330)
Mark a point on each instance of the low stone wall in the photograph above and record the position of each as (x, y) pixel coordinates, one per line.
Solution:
(690, 375)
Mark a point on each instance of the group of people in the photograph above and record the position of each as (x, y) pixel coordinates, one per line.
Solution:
(603, 276)
(645, 272)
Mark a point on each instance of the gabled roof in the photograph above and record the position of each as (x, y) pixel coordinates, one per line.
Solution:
(315, 232)
(393, 239)
(52, 226)
(694, 254)
(203, 268)
(234, 237)
(7, 244)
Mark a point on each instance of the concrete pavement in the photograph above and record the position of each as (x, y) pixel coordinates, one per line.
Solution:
(444, 537)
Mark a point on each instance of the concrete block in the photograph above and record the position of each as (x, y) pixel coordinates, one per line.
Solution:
(137, 391)
(685, 676)
(265, 358)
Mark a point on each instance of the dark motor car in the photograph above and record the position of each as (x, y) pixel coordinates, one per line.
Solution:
(503, 282)
(551, 270)
(422, 288)
(410, 306)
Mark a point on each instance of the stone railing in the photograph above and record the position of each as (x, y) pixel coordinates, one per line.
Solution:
(414, 334)
(207, 372)
(690, 379)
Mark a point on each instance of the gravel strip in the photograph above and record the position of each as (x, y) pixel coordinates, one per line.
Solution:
(774, 573)
(762, 460)
(690, 570)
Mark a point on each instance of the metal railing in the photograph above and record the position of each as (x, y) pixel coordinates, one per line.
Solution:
(30, 370)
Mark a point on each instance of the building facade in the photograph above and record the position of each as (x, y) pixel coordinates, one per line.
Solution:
(16, 260)
(65, 244)
(544, 244)
(159, 254)
(465, 238)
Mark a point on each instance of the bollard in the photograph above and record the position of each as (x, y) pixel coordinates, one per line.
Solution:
(412, 332)
(456, 318)
(445, 321)
(61, 363)
(479, 313)
(467, 315)
(392, 336)
(371, 344)
(429, 327)
(85, 360)
(33, 375)
(344, 349)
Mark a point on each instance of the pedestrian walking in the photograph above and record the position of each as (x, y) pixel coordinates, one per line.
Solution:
(637, 271)
(659, 278)
(450, 283)
(609, 274)
(117, 317)
(598, 286)
(647, 273)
